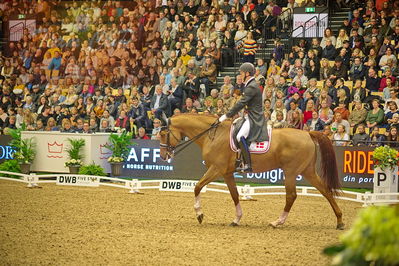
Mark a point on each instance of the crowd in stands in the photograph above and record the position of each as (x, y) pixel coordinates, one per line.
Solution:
(103, 66)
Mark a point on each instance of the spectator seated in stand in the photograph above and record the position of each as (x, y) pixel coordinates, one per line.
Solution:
(341, 137)
(159, 103)
(315, 123)
(208, 74)
(360, 138)
(375, 117)
(376, 139)
(392, 137)
(142, 134)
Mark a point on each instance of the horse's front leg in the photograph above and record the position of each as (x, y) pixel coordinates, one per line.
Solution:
(290, 197)
(231, 184)
(208, 177)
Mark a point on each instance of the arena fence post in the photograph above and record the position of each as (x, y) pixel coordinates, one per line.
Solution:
(367, 199)
(360, 197)
(32, 180)
(246, 192)
(134, 186)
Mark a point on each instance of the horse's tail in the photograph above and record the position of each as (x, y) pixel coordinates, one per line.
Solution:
(329, 170)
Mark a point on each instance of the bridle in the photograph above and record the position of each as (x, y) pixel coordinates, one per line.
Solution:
(170, 150)
(174, 150)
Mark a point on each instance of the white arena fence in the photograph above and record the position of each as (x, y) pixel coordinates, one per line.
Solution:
(246, 192)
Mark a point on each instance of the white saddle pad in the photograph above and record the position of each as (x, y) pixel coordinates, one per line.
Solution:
(255, 147)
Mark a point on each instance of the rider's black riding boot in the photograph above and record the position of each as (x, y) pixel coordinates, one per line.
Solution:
(247, 167)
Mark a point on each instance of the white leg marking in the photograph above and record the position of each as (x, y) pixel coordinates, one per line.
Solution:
(283, 217)
(238, 214)
(281, 220)
(197, 205)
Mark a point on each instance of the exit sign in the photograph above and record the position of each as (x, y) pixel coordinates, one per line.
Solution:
(310, 9)
(21, 16)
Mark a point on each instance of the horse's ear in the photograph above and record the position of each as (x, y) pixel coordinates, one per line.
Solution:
(165, 120)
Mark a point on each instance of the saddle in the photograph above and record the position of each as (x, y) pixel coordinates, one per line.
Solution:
(254, 147)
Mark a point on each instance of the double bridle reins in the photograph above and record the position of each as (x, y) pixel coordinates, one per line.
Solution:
(174, 150)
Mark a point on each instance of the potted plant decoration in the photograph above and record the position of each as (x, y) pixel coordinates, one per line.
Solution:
(119, 146)
(75, 155)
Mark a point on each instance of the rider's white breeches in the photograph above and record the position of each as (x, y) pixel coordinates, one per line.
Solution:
(244, 131)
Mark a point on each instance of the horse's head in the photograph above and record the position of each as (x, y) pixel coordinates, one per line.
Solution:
(169, 137)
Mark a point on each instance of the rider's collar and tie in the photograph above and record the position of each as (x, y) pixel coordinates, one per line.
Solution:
(246, 83)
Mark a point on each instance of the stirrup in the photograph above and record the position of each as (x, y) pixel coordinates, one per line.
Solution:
(238, 163)
(246, 168)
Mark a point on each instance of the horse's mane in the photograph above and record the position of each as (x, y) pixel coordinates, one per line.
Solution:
(194, 114)
(212, 118)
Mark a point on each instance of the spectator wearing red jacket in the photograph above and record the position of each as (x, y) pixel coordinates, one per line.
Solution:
(383, 82)
(307, 114)
(122, 120)
(142, 134)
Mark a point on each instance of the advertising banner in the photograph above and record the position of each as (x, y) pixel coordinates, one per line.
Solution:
(272, 177)
(51, 151)
(6, 151)
(144, 161)
(179, 186)
(78, 180)
(355, 166)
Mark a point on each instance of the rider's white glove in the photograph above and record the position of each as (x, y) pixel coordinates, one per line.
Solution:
(222, 118)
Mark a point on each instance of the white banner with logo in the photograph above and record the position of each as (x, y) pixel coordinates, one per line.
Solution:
(51, 150)
(78, 180)
(179, 185)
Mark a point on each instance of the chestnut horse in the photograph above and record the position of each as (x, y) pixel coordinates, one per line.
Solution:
(294, 151)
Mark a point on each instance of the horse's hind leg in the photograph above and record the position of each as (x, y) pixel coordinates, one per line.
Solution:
(208, 177)
(231, 184)
(290, 197)
(315, 180)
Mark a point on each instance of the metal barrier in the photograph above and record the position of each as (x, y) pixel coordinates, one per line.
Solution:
(246, 192)
(370, 143)
(17, 31)
(284, 21)
(313, 25)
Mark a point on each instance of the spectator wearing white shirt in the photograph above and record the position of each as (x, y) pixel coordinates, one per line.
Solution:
(339, 121)
(156, 129)
(341, 137)
(300, 76)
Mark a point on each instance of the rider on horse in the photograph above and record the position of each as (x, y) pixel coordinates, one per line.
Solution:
(253, 129)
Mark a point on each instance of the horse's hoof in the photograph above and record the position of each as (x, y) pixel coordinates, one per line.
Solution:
(200, 218)
(234, 224)
(340, 226)
(273, 225)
